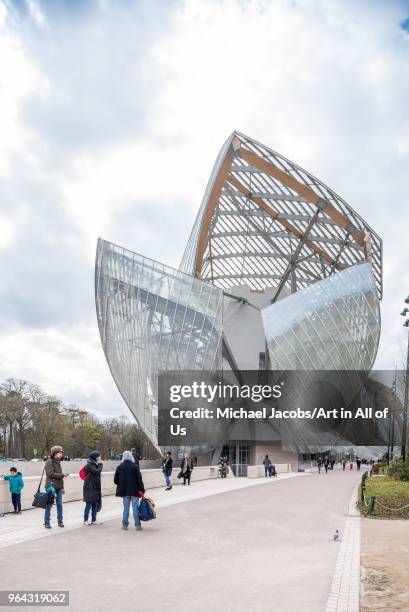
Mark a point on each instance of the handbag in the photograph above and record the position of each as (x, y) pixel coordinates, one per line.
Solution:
(180, 475)
(41, 499)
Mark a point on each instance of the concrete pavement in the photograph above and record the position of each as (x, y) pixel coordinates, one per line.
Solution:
(265, 546)
(28, 525)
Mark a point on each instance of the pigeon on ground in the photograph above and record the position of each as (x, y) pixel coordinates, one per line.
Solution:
(337, 535)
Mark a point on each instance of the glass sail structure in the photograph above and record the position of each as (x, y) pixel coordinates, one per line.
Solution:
(297, 269)
(333, 324)
(153, 318)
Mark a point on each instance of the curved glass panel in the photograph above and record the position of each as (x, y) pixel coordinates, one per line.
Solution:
(333, 324)
(328, 335)
(151, 318)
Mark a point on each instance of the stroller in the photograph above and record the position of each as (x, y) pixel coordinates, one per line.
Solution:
(273, 471)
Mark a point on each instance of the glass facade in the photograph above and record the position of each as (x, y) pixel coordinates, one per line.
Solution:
(328, 335)
(151, 318)
(333, 324)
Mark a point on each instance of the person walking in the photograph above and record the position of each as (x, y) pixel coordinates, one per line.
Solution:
(92, 488)
(267, 466)
(319, 464)
(16, 485)
(332, 463)
(186, 468)
(326, 464)
(129, 486)
(167, 466)
(54, 483)
(344, 463)
(358, 464)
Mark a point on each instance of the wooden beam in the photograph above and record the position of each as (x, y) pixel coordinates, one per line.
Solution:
(291, 228)
(212, 203)
(303, 190)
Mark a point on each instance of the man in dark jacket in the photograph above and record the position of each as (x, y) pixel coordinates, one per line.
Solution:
(54, 483)
(167, 466)
(92, 488)
(267, 465)
(136, 456)
(129, 486)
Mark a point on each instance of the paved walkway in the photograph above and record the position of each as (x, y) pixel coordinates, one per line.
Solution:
(226, 545)
(27, 526)
(344, 593)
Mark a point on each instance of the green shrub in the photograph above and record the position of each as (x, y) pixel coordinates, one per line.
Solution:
(398, 469)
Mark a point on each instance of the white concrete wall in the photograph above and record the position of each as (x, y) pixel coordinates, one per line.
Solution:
(73, 485)
(257, 471)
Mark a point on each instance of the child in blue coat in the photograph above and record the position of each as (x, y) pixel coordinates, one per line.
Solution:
(16, 485)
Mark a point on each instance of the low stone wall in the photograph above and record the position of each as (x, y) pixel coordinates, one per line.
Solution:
(257, 471)
(73, 485)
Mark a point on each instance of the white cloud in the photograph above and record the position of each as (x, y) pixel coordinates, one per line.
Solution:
(111, 116)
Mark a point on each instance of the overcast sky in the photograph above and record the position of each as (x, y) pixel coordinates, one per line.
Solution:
(111, 116)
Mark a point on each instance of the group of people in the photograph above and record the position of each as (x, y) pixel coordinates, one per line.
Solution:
(186, 469)
(127, 478)
(329, 462)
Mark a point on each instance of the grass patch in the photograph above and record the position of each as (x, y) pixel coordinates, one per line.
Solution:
(389, 492)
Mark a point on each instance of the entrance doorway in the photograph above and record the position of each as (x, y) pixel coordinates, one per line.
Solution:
(238, 455)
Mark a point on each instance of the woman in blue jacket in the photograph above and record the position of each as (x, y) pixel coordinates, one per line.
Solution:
(16, 485)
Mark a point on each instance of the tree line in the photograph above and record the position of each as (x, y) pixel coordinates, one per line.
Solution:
(31, 421)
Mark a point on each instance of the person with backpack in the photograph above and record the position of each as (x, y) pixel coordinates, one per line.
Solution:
(186, 468)
(167, 466)
(54, 484)
(130, 487)
(92, 487)
(16, 485)
(267, 464)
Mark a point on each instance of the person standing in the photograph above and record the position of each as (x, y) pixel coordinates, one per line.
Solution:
(129, 486)
(136, 456)
(167, 466)
(223, 467)
(358, 464)
(186, 468)
(344, 462)
(54, 483)
(267, 464)
(92, 494)
(16, 485)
